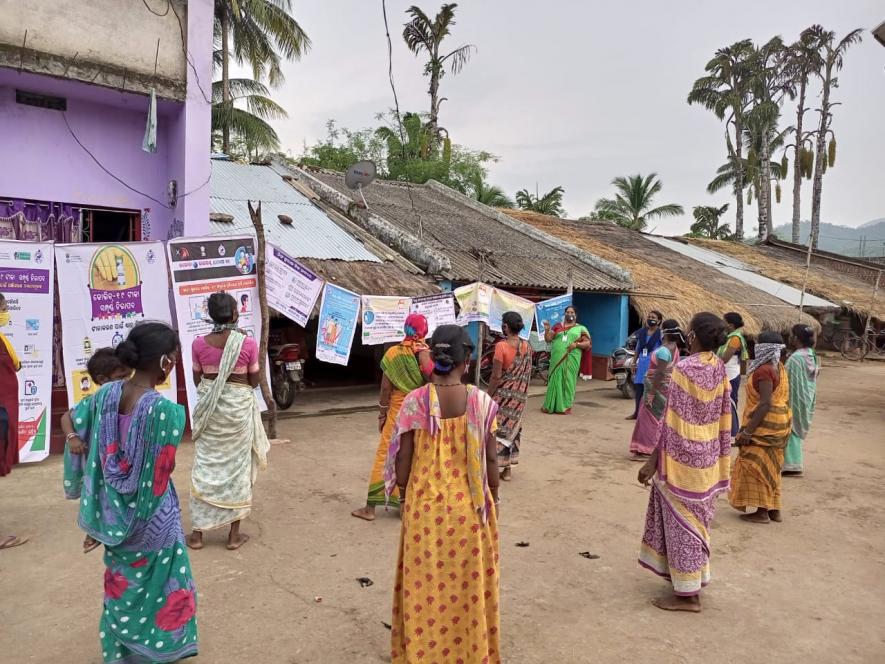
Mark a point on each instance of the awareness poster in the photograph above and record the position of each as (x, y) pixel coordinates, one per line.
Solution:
(26, 281)
(292, 289)
(552, 310)
(384, 318)
(437, 309)
(475, 301)
(502, 302)
(104, 290)
(339, 313)
(200, 267)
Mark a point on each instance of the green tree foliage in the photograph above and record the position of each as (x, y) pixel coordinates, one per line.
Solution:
(252, 135)
(550, 203)
(631, 206)
(706, 223)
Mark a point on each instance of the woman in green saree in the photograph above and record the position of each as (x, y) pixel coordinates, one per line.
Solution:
(118, 462)
(803, 368)
(568, 340)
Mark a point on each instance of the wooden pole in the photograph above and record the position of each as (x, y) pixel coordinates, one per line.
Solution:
(805, 280)
(255, 213)
(866, 324)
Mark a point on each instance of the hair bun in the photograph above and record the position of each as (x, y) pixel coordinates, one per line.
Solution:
(127, 352)
(443, 361)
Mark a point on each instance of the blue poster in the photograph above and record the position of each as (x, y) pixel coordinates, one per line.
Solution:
(339, 313)
(552, 310)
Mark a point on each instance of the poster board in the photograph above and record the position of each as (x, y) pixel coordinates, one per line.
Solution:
(438, 309)
(292, 289)
(339, 313)
(27, 282)
(383, 318)
(200, 267)
(475, 301)
(552, 310)
(502, 302)
(104, 290)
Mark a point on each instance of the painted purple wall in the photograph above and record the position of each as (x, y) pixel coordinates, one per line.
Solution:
(44, 161)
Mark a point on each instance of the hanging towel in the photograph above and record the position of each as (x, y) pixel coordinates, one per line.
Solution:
(149, 144)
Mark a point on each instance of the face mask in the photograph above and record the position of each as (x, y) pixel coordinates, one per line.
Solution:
(651, 322)
(4, 318)
(570, 318)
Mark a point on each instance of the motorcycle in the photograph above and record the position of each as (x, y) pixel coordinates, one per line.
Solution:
(286, 373)
(540, 359)
(622, 365)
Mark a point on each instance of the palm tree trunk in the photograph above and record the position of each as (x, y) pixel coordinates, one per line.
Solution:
(739, 179)
(433, 120)
(765, 225)
(260, 263)
(797, 166)
(225, 77)
(820, 154)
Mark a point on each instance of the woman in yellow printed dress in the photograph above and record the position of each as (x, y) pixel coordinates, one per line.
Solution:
(443, 460)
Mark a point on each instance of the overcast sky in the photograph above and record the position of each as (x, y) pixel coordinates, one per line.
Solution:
(574, 93)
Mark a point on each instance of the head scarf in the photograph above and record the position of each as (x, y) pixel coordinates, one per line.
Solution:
(766, 354)
(415, 327)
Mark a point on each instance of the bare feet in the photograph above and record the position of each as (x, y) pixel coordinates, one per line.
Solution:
(11, 541)
(366, 513)
(638, 456)
(195, 540)
(775, 515)
(90, 544)
(675, 603)
(506, 474)
(759, 516)
(235, 541)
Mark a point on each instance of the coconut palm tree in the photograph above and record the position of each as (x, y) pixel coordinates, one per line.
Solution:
(707, 222)
(425, 35)
(260, 33)
(488, 194)
(803, 62)
(832, 54)
(725, 91)
(247, 126)
(550, 203)
(632, 205)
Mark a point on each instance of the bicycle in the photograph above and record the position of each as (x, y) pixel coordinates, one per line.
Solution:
(858, 347)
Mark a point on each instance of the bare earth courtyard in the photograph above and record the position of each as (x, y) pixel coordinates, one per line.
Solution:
(807, 590)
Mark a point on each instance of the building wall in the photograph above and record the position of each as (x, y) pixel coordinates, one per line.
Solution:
(606, 318)
(101, 41)
(50, 165)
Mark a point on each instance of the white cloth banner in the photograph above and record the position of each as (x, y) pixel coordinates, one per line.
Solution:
(104, 290)
(384, 318)
(26, 280)
(502, 302)
(200, 267)
(475, 301)
(438, 309)
(292, 289)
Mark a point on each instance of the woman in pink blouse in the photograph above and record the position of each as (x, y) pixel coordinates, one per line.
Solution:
(229, 438)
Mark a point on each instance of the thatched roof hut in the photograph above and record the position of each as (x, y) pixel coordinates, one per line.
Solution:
(849, 282)
(667, 280)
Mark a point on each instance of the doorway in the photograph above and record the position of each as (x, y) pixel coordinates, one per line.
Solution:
(111, 226)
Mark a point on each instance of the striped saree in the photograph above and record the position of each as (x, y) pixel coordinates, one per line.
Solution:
(693, 464)
(756, 477)
(803, 368)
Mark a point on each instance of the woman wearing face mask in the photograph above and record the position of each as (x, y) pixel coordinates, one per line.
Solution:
(648, 340)
(568, 340)
(9, 367)
(230, 445)
(734, 354)
(128, 503)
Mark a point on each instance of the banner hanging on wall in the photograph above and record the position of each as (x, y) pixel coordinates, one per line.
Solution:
(292, 289)
(474, 301)
(437, 309)
(200, 267)
(339, 313)
(384, 318)
(552, 310)
(502, 302)
(104, 290)
(26, 281)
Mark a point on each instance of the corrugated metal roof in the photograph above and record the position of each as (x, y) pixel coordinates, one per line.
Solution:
(743, 272)
(311, 235)
(462, 234)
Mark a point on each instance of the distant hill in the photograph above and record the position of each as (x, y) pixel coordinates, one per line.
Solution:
(843, 239)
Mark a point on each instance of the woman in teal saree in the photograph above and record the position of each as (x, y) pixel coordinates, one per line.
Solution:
(118, 462)
(568, 340)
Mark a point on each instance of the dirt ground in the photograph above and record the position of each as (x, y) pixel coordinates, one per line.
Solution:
(807, 590)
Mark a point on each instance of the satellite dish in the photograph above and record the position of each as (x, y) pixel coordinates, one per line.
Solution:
(362, 173)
